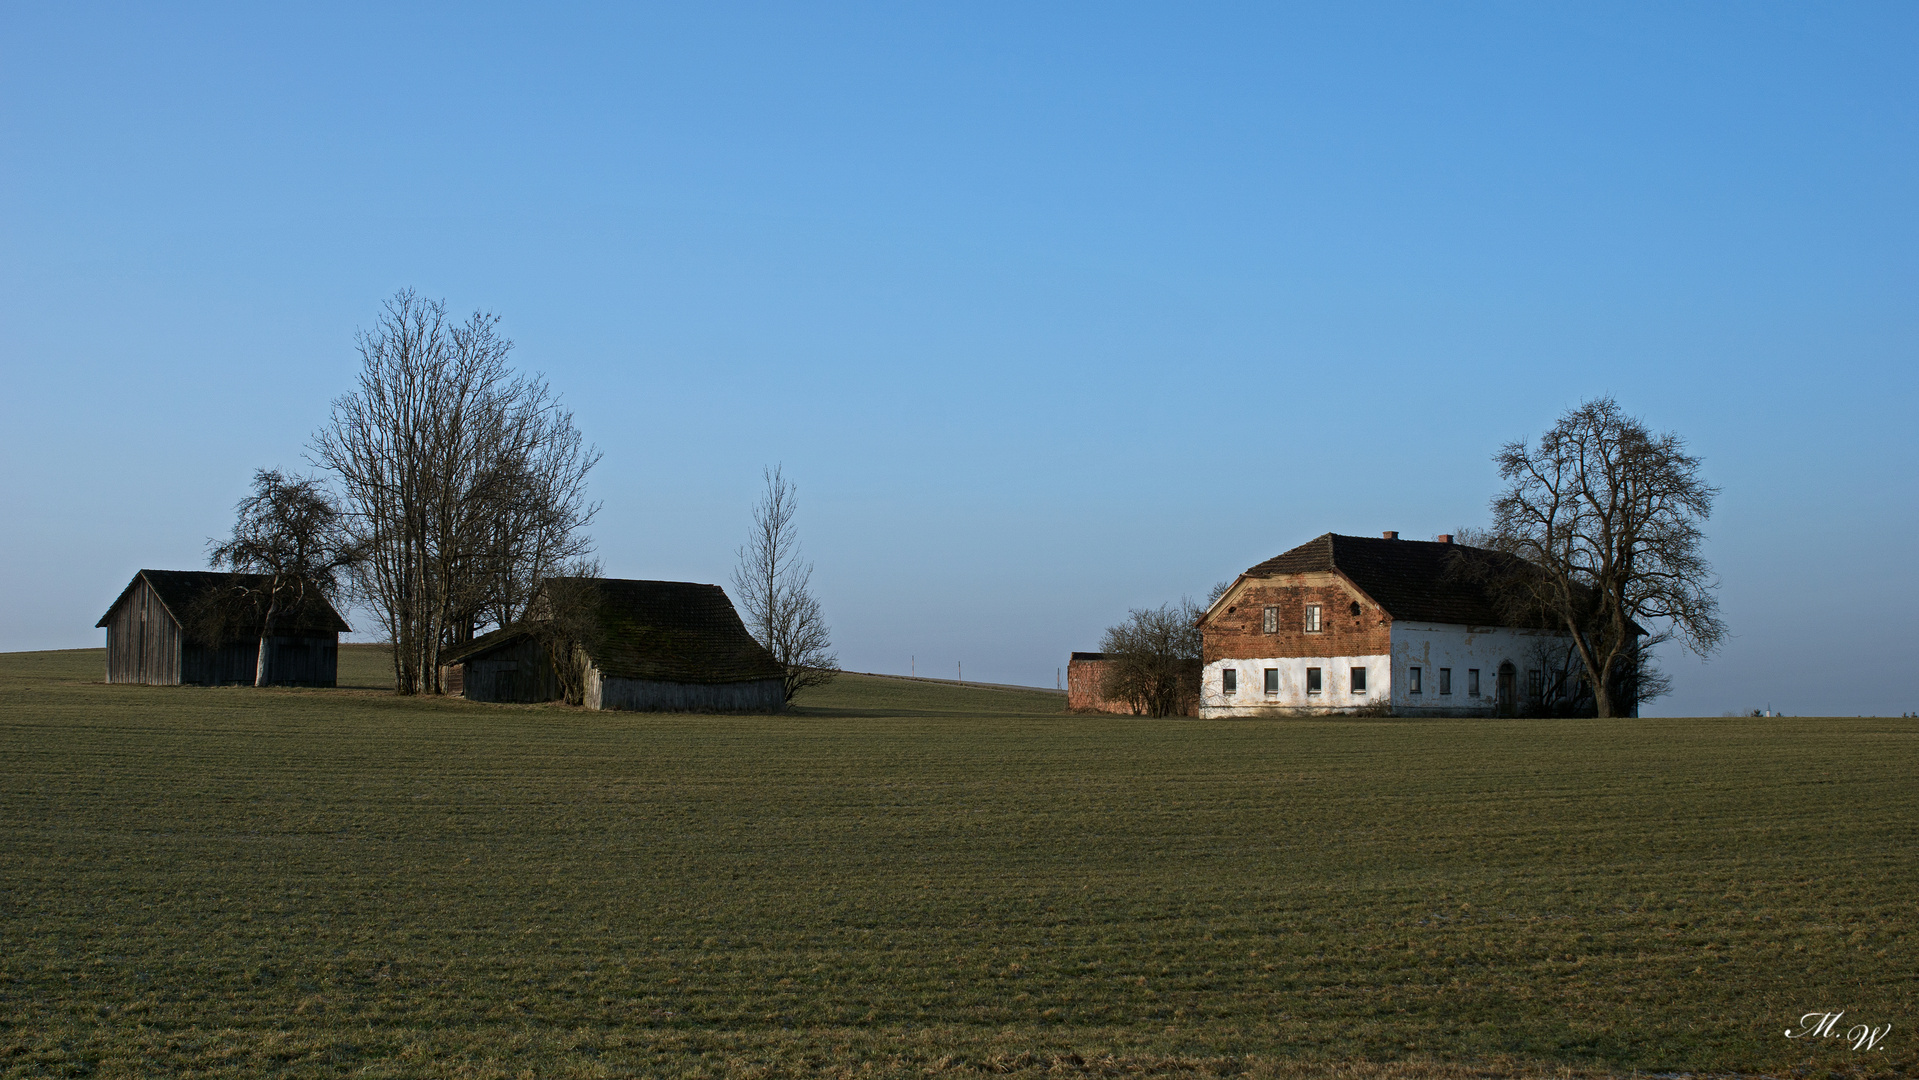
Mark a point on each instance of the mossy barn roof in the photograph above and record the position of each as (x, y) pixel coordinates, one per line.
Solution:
(662, 631)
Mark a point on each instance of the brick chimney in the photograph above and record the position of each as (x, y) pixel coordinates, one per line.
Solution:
(1445, 538)
(1390, 534)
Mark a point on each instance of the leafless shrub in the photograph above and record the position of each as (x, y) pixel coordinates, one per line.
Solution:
(565, 618)
(1152, 659)
(775, 588)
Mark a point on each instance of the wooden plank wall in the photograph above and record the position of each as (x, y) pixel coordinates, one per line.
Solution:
(143, 640)
(646, 695)
(516, 671)
(311, 660)
(232, 662)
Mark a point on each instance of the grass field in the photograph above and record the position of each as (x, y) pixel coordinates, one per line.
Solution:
(910, 878)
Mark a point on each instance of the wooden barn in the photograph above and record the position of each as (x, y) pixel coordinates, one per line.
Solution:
(654, 646)
(148, 638)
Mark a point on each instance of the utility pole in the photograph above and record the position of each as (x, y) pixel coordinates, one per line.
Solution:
(913, 666)
(962, 670)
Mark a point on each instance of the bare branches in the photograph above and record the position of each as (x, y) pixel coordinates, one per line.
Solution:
(1609, 518)
(566, 619)
(466, 482)
(1152, 659)
(290, 531)
(775, 588)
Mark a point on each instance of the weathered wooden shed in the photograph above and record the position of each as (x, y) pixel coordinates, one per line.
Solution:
(655, 646)
(148, 637)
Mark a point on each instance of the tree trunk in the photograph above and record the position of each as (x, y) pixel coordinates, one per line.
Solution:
(1602, 700)
(262, 670)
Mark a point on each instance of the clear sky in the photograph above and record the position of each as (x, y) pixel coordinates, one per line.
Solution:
(1051, 310)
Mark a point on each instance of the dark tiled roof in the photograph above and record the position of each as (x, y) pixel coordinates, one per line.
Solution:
(1411, 579)
(670, 631)
(181, 591)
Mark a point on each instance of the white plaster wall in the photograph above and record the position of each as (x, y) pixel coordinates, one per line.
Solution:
(1335, 685)
(1431, 646)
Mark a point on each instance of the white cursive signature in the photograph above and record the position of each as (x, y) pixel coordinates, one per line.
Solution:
(1826, 1025)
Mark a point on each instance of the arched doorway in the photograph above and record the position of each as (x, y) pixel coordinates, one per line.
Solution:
(1505, 689)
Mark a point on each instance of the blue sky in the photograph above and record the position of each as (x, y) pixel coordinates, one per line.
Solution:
(1050, 310)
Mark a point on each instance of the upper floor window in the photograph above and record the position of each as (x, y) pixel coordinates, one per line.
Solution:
(1312, 618)
(1269, 621)
(1354, 608)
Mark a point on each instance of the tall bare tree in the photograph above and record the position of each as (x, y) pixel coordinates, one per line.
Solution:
(1153, 658)
(465, 483)
(775, 588)
(289, 531)
(1607, 517)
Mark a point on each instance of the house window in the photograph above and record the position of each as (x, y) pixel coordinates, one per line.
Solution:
(1472, 682)
(1412, 681)
(1535, 684)
(1359, 680)
(1312, 618)
(1272, 680)
(1354, 609)
(1445, 680)
(1229, 681)
(1312, 680)
(1269, 621)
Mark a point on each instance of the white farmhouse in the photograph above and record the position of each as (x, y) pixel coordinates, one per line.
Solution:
(1357, 625)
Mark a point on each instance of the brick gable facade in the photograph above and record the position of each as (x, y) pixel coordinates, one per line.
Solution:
(1237, 630)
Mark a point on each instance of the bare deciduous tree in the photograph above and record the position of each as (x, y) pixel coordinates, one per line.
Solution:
(774, 587)
(465, 483)
(1152, 659)
(1606, 517)
(290, 531)
(534, 512)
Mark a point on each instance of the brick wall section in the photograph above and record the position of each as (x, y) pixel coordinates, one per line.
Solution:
(1083, 676)
(1236, 633)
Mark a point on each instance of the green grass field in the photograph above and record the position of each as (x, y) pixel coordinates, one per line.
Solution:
(909, 878)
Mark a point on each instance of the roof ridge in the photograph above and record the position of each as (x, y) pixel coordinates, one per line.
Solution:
(1411, 580)
(162, 581)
